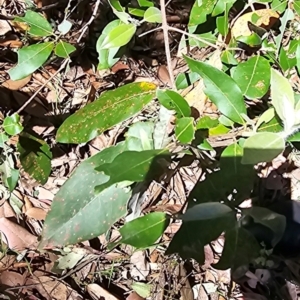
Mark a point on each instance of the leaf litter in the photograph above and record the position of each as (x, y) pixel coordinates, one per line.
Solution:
(113, 274)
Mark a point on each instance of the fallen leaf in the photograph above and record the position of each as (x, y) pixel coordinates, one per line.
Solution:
(36, 213)
(98, 293)
(16, 84)
(12, 279)
(134, 296)
(264, 18)
(140, 267)
(4, 27)
(15, 236)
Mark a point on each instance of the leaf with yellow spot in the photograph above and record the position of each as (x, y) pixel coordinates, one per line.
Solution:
(263, 18)
(111, 108)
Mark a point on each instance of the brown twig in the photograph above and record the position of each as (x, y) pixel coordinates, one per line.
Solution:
(42, 86)
(165, 28)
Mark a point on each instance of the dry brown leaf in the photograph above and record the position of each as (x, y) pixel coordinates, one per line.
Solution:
(16, 237)
(98, 293)
(34, 108)
(16, 84)
(6, 210)
(140, 266)
(52, 289)
(134, 296)
(36, 213)
(163, 75)
(264, 18)
(4, 27)
(12, 279)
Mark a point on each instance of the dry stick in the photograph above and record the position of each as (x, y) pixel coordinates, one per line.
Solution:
(42, 86)
(165, 28)
(90, 20)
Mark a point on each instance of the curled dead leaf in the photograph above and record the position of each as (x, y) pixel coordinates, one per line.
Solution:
(15, 236)
(264, 18)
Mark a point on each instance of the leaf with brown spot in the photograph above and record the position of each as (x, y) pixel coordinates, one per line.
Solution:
(77, 212)
(111, 108)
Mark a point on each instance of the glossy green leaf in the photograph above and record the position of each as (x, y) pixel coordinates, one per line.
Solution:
(76, 202)
(110, 109)
(228, 58)
(173, 101)
(225, 121)
(205, 211)
(63, 49)
(218, 130)
(35, 157)
(12, 124)
(183, 80)
(119, 11)
(139, 136)
(283, 98)
(39, 26)
(207, 122)
(266, 117)
(253, 40)
(153, 15)
(3, 139)
(143, 232)
(185, 130)
(107, 57)
(221, 89)
(119, 36)
(272, 126)
(136, 166)
(136, 12)
(253, 77)
(262, 147)
(286, 62)
(200, 12)
(145, 3)
(30, 59)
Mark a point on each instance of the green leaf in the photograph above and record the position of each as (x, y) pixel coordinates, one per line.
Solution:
(205, 211)
(185, 130)
(12, 124)
(298, 58)
(286, 62)
(142, 289)
(76, 202)
(200, 12)
(272, 126)
(39, 26)
(136, 166)
(191, 238)
(262, 147)
(30, 59)
(35, 157)
(3, 139)
(228, 58)
(207, 122)
(183, 80)
(270, 219)
(221, 89)
(145, 3)
(107, 57)
(173, 101)
(111, 108)
(119, 36)
(252, 40)
(283, 98)
(9, 175)
(253, 77)
(240, 249)
(139, 136)
(153, 15)
(266, 117)
(136, 12)
(64, 49)
(143, 232)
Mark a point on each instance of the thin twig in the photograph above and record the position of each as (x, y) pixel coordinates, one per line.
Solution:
(84, 29)
(193, 36)
(165, 28)
(42, 86)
